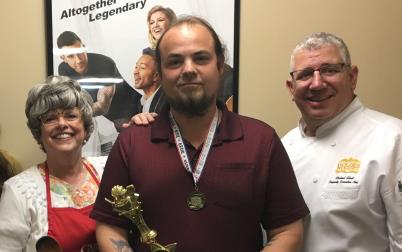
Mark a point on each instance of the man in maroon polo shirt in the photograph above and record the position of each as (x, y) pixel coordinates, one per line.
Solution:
(207, 178)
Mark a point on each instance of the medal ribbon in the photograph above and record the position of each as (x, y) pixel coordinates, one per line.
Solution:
(181, 148)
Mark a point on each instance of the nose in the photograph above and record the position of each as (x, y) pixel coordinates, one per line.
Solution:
(188, 65)
(189, 71)
(317, 81)
(61, 121)
(77, 58)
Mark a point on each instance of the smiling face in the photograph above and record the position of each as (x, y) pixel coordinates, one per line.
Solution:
(145, 72)
(322, 98)
(158, 24)
(191, 71)
(62, 131)
(77, 61)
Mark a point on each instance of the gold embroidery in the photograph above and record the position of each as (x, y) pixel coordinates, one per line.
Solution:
(348, 165)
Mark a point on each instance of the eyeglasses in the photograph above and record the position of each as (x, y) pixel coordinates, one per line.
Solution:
(326, 70)
(52, 117)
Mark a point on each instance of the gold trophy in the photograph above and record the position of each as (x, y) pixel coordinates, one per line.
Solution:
(126, 203)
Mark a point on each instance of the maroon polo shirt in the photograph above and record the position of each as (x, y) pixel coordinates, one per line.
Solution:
(248, 180)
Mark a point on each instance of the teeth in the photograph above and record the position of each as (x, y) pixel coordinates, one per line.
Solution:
(315, 99)
(62, 136)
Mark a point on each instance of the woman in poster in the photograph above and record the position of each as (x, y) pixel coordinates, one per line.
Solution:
(159, 19)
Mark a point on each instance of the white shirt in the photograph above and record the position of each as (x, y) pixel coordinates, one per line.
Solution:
(146, 102)
(102, 138)
(348, 175)
(23, 209)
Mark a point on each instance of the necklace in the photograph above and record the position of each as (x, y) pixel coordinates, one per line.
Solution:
(196, 199)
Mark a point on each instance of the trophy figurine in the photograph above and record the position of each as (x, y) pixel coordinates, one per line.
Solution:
(126, 202)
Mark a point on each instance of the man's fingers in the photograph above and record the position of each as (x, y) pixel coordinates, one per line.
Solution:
(144, 118)
(150, 117)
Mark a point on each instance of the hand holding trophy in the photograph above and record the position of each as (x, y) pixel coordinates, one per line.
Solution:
(126, 202)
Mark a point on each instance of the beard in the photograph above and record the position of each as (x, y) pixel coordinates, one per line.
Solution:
(190, 105)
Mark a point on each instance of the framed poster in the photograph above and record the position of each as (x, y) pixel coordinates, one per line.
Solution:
(99, 43)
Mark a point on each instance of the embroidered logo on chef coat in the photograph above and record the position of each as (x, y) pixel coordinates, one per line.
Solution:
(344, 180)
(346, 172)
(348, 165)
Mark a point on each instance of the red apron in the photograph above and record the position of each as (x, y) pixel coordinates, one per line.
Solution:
(70, 227)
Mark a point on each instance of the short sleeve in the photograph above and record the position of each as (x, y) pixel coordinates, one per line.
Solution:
(116, 173)
(284, 202)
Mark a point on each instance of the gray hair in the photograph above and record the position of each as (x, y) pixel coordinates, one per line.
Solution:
(58, 92)
(318, 40)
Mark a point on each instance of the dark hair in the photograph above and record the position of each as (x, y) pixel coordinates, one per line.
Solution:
(6, 170)
(192, 20)
(67, 38)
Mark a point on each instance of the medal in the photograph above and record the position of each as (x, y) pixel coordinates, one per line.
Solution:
(196, 200)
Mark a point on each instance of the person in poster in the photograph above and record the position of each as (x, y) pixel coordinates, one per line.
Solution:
(147, 79)
(159, 19)
(81, 65)
(97, 73)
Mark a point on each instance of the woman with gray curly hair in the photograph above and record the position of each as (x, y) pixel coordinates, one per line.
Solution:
(52, 200)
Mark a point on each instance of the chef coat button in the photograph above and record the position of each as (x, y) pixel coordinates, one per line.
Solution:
(315, 179)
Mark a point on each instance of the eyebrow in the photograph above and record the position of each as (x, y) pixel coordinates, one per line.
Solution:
(203, 52)
(172, 55)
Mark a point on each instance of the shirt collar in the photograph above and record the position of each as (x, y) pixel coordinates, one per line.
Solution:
(144, 100)
(328, 126)
(229, 128)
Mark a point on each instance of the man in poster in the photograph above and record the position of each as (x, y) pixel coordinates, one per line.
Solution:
(99, 75)
(147, 78)
(80, 65)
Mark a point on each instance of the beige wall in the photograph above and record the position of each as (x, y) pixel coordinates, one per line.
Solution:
(22, 65)
(269, 30)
